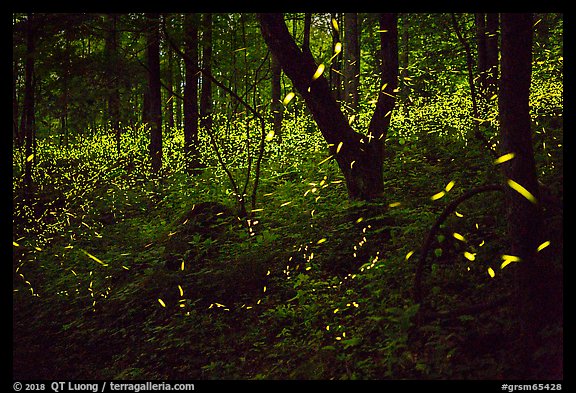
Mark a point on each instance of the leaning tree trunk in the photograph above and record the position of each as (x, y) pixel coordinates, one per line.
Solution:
(358, 156)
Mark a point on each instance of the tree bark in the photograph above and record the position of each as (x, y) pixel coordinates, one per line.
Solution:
(524, 217)
(111, 50)
(380, 121)
(358, 156)
(404, 56)
(206, 93)
(351, 60)
(191, 115)
(487, 39)
(480, 20)
(307, 27)
(15, 110)
(492, 22)
(335, 67)
(28, 110)
(276, 107)
(170, 84)
(155, 104)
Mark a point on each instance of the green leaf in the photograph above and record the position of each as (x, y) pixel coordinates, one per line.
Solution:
(351, 341)
(438, 252)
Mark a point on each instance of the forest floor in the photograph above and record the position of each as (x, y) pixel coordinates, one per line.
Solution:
(158, 279)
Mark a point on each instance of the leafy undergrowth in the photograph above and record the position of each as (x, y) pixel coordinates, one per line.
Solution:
(122, 275)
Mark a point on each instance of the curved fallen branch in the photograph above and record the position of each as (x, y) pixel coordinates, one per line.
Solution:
(430, 315)
(421, 263)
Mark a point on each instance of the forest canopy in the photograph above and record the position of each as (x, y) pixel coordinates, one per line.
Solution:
(287, 196)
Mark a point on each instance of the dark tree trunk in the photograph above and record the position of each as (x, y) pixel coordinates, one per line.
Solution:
(358, 156)
(28, 110)
(15, 110)
(307, 27)
(178, 85)
(64, 112)
(155, 103)
(523, 216)
(206, 93)
(170, 83)
(179, 79)
(380, 121)
(487, 39)
(405, 89)
(276, 106)
(191, 115)
(111, 50)
(492, 22)
(66, 71)
(335, 67)
(480, 19)
(351, 60)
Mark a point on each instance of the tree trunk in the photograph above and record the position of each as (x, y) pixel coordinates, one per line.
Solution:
(64, 111)
(380, 121)
(487, 39)
(276, 107)
(28, 110)
(111, 50)
(15, 110)
(492, 22)
(191, 116)
(335, 67)
(170, 84)
(155, 103)
(178, 88)
(359, 156)
(523, 216)
(206, 93)
(351, 60)
(480, 20)
(405, 89)
(307, 27)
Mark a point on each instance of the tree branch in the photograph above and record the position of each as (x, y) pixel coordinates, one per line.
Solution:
(421, 264)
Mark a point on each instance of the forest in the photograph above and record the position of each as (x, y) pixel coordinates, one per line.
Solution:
(287, 196)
